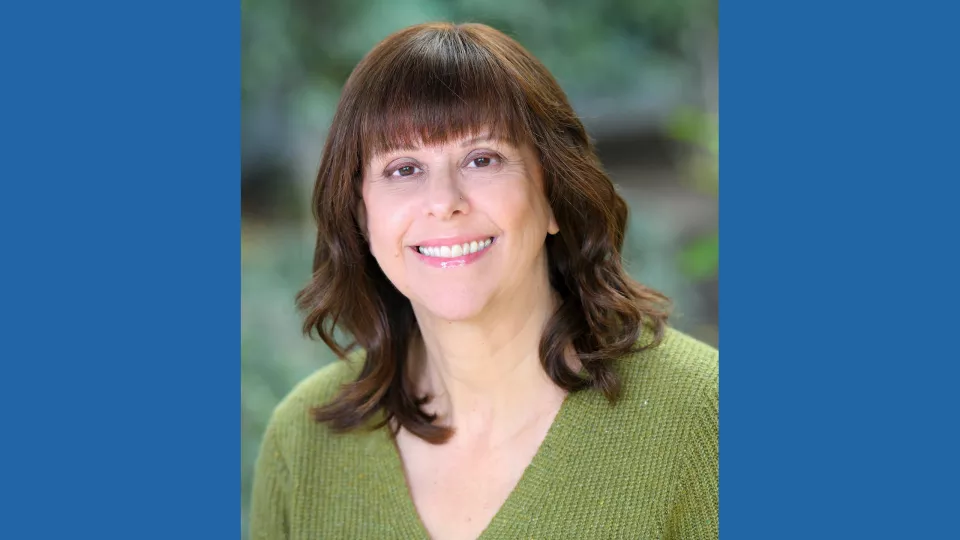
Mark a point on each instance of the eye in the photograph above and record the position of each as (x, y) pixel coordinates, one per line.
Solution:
(405, 170)
(483, 161)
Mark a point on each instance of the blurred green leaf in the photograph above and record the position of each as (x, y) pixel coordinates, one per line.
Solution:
(700, 259)
(697, 128)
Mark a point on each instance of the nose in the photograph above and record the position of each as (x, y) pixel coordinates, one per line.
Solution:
(445, 197)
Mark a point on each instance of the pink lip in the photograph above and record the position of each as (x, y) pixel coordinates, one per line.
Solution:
(452, 262)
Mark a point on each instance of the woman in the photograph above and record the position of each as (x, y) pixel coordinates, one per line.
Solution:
(505, 378)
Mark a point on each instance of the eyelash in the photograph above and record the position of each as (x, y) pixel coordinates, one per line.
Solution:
(492, 156)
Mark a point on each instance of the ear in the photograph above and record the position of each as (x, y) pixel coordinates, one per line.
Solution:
(552, 227)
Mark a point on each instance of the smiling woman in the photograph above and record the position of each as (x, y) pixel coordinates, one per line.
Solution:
(503, 377)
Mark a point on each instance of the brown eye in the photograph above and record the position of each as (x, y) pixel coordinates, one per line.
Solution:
(406, 170)
(482, 161)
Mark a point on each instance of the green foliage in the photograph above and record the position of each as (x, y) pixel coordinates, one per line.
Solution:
(701, 132)
(610, 49)
(700, 258)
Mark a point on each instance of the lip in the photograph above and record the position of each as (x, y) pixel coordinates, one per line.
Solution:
(452, 262)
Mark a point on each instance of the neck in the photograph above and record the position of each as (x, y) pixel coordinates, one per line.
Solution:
(484, 375)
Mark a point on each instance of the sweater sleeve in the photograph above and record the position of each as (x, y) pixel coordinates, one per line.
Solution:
(268, 505)
(695, 512)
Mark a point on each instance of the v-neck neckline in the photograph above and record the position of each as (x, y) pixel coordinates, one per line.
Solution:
(523, 499)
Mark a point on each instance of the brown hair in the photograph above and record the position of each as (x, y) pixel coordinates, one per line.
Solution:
(430, 83)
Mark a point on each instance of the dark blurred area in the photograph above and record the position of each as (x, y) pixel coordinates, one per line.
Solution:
(642, 76)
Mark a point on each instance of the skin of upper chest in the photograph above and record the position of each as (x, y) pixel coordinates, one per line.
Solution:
(458, 488)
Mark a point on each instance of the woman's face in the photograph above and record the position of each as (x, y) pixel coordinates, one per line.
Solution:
(458, 227)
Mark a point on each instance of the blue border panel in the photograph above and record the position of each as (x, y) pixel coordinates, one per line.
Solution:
(120, 219)
(839, 288)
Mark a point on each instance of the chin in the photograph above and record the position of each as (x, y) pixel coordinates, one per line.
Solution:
(454, 308)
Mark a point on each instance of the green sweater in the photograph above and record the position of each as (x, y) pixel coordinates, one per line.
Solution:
(646, 467)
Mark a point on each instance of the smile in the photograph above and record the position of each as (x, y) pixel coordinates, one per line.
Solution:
(453, 255)
(455, 250)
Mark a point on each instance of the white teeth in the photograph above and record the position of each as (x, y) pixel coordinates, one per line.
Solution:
(456, 250)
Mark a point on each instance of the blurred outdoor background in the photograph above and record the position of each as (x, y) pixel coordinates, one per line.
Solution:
(641, 74)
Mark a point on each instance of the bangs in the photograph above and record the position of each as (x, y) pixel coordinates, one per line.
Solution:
(437, 87)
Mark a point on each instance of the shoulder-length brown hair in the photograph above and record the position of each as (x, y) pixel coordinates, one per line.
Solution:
(430, 83)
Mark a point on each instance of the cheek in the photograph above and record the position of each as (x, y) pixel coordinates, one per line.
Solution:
(517, 206)
(386, 224)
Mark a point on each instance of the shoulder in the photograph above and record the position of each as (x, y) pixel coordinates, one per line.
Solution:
(292, 418)
(661, 432)
(680, 371)
(678, 358)
(299, 458)
(322, 385)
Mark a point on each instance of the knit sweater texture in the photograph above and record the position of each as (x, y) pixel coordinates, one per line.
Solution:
(645, 467)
